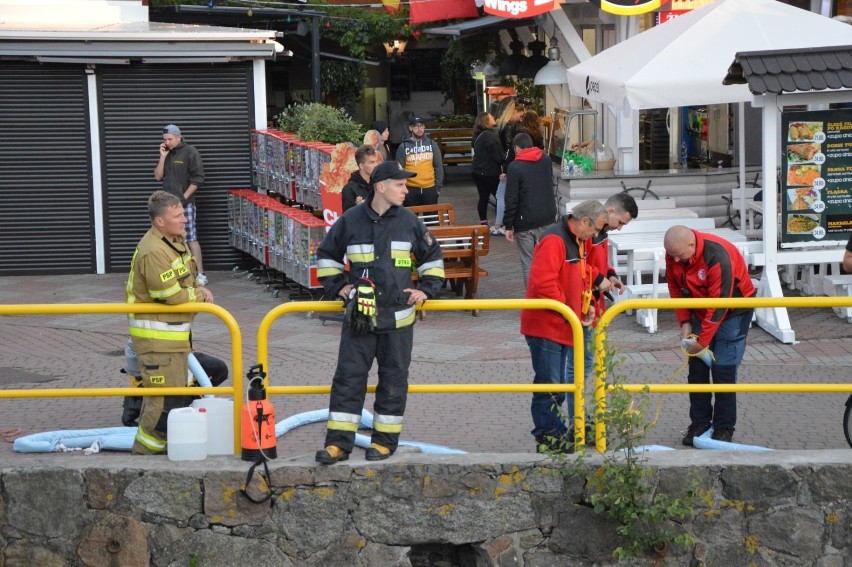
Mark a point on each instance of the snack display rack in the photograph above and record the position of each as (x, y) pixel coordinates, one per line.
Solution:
(296, 196)
(279, 236)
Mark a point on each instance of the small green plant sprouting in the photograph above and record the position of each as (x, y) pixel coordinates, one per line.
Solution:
(622, 486)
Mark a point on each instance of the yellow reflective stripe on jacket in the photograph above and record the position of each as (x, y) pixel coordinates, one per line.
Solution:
(159, 335)
(341, 421)
(361, 253)
(400, 249)
(435, 268)
(387, 423)
(405, 317)
(164, 293)
(149, 441)
(326, 267)
(148, 329)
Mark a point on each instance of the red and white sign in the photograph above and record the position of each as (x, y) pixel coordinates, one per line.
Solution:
(517, 8)
(668, 15)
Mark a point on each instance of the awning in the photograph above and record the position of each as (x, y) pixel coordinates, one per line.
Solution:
(479, 25)
(150, 42)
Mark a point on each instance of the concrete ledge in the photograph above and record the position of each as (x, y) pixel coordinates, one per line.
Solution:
(776, 508)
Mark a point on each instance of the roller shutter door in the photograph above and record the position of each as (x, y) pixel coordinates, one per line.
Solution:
(214, 107)
(45, 176)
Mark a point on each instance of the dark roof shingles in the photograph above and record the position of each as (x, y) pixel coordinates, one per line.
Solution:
(791, 70)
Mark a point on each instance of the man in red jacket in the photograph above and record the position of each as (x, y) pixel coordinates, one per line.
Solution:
(704, 265)
(620, 208)
(560, 270)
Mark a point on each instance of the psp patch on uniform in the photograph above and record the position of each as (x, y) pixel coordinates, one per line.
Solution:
(157, 379)
(427, 236)
(167, 275)
(702, 275)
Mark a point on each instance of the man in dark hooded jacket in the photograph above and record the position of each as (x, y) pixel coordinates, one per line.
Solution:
(530, 204)
(358, 188)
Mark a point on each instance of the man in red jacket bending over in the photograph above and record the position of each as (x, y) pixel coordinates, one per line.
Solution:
(704, 265)
(560, 270)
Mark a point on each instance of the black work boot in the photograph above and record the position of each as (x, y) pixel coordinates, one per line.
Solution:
(132, 409)
(330, 455)
(376, 452)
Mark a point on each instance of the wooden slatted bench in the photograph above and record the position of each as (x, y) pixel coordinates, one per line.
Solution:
(462, 247)
(439, 214)
(454, 144)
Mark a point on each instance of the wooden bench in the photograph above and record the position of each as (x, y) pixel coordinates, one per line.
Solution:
(439, 214)
(454, 144)
(462, 247)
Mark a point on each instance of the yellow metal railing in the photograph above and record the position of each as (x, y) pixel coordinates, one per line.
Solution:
(448, 305)
(577, 388)
(601, 387)
(105, 308)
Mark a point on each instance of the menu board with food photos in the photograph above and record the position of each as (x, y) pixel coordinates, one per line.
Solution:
(816, 177)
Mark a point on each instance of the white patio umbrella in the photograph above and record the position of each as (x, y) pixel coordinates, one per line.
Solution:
(683, 62)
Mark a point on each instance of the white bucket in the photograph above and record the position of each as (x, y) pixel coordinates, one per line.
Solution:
(187, 435)
(220, 424)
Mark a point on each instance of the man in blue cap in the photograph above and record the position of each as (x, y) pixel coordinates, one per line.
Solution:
(182, 173)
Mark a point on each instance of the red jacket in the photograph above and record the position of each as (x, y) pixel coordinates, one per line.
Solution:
(599, 258)
(557, 273)
(716, 270)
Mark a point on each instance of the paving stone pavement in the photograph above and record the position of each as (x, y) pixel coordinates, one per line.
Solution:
(85, 351)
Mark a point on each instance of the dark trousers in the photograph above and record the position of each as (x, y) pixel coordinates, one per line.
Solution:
(728, 346)
(416, 196)
(486, 186)
(392, 352)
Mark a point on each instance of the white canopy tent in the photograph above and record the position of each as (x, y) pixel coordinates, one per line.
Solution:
(683, 63)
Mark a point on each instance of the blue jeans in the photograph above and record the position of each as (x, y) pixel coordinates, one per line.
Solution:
(501, 203)
(728, 346)
(553, 363)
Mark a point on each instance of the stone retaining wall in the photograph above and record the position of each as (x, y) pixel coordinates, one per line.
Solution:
(764, 509)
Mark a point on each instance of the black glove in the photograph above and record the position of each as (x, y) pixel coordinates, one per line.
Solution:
(361, 310)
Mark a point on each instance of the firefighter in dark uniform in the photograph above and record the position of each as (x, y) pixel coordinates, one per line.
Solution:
(383, 243)
(162, 271)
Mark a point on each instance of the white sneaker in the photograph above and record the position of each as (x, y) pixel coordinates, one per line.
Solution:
(498, 230)
(201, 279)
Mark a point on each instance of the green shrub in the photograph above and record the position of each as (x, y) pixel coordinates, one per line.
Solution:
(315, 122)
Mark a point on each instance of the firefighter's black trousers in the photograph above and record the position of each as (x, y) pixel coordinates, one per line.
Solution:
(392, 352)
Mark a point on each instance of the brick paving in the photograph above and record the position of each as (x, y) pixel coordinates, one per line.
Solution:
(84, 351)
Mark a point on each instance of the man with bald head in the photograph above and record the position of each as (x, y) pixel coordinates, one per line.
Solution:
(704, 265)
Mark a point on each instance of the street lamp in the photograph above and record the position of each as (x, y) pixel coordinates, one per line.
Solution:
(555, 72)
(395, 47)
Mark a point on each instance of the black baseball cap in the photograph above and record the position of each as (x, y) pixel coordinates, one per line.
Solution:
(389, 170)
(415, 119)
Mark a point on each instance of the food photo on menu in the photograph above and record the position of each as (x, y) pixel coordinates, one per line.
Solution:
(803, 131)
(802, 174)
(801, 198)
(802, 224)
(802, 153)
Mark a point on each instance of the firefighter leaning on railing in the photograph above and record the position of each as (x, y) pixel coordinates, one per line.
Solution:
(162, 271)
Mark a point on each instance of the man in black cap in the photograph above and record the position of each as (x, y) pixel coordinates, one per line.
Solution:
(384, 243)
(419, 154)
